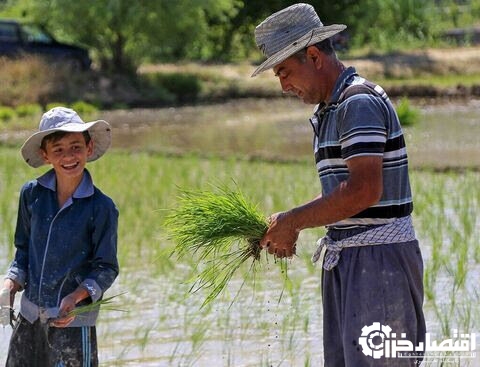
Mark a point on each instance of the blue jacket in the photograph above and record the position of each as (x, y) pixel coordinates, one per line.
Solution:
(57, 249)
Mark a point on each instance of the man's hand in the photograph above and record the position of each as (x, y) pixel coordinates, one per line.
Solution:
(281, 236)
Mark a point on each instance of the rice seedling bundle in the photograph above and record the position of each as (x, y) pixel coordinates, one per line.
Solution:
(106, 303)
(222, 228)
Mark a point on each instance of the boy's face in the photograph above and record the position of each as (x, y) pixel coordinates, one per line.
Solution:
(68, 155)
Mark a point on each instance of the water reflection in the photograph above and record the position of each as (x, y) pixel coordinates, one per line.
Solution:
(266, 128)
(279, 129)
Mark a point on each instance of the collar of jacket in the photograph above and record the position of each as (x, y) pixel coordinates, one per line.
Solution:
(84, 189)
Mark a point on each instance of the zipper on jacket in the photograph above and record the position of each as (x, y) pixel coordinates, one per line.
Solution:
(67, 204)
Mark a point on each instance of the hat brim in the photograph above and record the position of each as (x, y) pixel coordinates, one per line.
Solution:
(99, 131)
(312, 37)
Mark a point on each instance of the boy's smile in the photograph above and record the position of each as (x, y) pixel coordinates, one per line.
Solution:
(68, 155)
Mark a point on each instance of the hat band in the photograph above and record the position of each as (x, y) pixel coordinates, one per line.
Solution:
(289, 43)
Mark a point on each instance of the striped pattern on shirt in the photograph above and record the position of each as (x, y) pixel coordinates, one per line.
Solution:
(362, 122)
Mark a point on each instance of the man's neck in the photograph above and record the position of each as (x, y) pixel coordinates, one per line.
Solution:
(337, 68)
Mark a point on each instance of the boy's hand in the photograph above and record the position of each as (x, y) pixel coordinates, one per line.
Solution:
(5, 307)
(13, 288)
(7, 297)
(67, 305)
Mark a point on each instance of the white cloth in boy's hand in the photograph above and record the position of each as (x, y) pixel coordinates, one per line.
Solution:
(5, 309)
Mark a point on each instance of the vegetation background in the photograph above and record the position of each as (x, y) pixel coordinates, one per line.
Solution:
(125, 34)
(125, 38)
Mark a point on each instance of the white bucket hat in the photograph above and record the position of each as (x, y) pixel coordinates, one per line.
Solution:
(288, 31)
(66, 119)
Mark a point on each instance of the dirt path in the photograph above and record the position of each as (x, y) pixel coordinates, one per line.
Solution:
(422, 62)
(408, 66)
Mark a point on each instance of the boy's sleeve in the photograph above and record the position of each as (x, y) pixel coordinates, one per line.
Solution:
(104, 263)
(18, 268)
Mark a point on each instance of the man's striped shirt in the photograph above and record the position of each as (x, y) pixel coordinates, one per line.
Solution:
(363, 124)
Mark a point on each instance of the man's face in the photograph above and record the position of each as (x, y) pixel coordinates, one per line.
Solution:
(300, 77)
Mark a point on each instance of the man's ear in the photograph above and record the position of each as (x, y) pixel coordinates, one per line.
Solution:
(314, 54)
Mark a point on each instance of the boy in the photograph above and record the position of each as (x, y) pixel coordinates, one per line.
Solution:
(66, 245)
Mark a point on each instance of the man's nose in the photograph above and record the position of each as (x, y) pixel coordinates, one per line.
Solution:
(286, 86)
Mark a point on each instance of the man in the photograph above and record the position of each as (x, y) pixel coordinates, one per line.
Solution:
(373, 269)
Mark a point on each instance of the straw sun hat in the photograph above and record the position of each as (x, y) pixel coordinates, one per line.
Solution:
(288, 31)
(66, 119)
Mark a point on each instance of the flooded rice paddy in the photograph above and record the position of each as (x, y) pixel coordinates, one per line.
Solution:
(447, 135)
(260, 321)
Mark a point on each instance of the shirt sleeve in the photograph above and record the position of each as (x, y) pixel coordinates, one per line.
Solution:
(362, 126)
(104, 263)
(18, 268)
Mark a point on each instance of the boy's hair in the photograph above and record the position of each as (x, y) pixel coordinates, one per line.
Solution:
(57, 135)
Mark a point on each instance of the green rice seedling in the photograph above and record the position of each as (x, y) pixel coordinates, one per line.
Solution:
(106, 304)
(142, 335)
(222, 228)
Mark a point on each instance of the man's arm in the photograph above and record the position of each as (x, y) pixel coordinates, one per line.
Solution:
(362, 189)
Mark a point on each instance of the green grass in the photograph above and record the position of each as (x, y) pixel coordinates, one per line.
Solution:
(448, 207)
(447, 80)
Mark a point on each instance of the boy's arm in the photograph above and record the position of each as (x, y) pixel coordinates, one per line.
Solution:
(104, 263)
(16, 275)
(17, 272)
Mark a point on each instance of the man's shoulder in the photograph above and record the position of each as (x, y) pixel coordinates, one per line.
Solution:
(358, 85)
(356, 89)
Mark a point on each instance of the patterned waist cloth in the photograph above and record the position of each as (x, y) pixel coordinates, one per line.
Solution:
(400, 230)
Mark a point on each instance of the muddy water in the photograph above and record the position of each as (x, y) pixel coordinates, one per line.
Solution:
(264, 326)
(445, 137)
